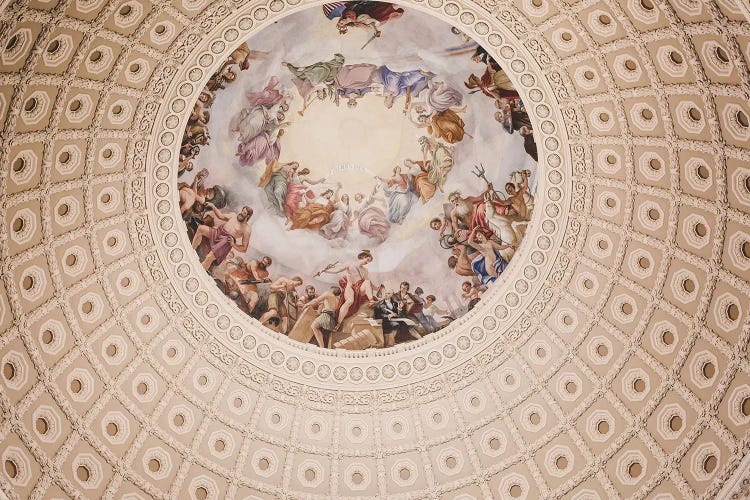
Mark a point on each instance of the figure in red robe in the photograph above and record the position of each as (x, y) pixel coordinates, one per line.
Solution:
(355, 285)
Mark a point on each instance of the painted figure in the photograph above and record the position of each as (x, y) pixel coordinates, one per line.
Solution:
(400, 196)
(516, 202)
(356, 286)
(361, 14)
(371, 219)
(239, 56)
(298, 192)
(431, 311)
(246, 279)
(489, 264)
(277, 301)
(419, 172)
(441, 97)
(224, 238)
(315, 80)
(326, 320)
(405, 83)
(438, 159)
(268, 97)
(338, 223)
(264, 146)
(250, 122)
(315, 214)
(494, 83)
(354, 81)
(470, 294)
(277, 186)
(309, 295)
(189, 192)
(439, 113)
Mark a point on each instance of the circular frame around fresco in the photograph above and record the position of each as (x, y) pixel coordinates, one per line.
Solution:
(501, 306)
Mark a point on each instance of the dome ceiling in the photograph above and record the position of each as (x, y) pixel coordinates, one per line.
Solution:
(608, 359)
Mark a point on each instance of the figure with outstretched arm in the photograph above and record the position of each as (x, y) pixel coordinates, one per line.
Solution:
(515, 203)
(339, 221)
(298, 191)
(189, 194)
(516, 196)
(489, 264)
(356, 286)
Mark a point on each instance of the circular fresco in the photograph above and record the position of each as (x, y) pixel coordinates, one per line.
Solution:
(357, 175)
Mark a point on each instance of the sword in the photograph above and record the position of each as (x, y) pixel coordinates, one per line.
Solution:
(373, 37)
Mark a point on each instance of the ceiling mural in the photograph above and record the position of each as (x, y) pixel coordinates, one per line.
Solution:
(362, 190)
(601, 224)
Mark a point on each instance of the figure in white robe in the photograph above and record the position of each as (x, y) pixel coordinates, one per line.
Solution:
(400, 195)
(371, 219)
(338, 225)
(250, 122)
(440, 97)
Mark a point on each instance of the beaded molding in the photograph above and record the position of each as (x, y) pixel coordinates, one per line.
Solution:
(501, 306)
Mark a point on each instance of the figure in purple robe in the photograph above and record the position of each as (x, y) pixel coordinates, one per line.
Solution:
(404, 83)
(267, 97)
(441, 97)
(264, 146)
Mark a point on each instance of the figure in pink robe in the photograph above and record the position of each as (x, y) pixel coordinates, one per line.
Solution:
(355, 80)
(267, 97)
(264, 146)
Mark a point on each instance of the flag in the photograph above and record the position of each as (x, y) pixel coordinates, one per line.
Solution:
(333, 10)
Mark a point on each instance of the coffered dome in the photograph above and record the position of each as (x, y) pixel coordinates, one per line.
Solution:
(606, 357)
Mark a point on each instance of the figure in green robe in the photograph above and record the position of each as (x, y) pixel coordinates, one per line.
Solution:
(315, 80)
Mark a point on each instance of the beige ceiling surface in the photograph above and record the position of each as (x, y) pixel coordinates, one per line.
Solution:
(614, 365)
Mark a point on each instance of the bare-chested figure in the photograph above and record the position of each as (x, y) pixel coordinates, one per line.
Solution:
(516, 197)
(309, 295)
(355, 284)
(189, 194)
(489, 264)
(463, 210)
(470, 294)
(223, 238)
(326, 320)
(277, 301)
(459, 261)
(440, 225)
(246, 280)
